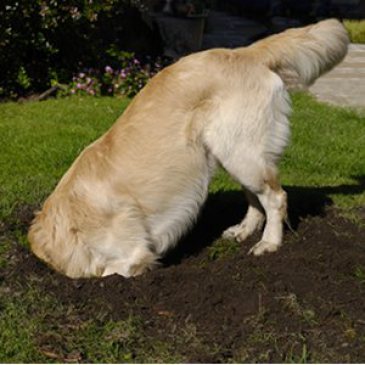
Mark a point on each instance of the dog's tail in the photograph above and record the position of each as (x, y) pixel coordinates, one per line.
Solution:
(299, 56)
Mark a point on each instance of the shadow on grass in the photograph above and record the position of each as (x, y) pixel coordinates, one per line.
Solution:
(224, 209)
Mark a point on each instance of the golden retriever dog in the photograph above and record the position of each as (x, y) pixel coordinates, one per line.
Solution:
(135, 191)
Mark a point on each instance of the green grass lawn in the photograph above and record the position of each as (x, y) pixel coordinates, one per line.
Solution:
(39, 141)
(356, 29)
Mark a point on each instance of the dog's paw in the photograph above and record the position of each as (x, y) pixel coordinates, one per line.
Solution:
(243, 234)
(263, 246)
(231, 232)
(238, 232)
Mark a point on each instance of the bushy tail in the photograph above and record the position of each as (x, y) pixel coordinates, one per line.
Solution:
(300, 55)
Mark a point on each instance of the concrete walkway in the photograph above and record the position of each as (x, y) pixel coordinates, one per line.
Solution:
(345, 84)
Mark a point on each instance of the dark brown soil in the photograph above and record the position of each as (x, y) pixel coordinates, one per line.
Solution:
(304, 303)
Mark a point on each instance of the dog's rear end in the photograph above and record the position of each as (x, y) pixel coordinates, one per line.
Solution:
(99, 221)
(298, 56)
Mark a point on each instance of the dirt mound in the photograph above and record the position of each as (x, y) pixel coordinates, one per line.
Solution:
(303, 303)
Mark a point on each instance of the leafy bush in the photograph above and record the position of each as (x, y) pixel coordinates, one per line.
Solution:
(41, 40)
(356, 29)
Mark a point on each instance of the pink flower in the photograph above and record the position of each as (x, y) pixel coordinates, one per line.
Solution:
(78, 86)
(108, 69)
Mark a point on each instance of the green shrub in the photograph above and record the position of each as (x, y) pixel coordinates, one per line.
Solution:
(356, 29)
(44, 40)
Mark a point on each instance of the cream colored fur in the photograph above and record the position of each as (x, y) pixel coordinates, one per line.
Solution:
(133, 193)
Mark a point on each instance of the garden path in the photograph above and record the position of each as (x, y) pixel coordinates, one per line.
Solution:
(345, 84)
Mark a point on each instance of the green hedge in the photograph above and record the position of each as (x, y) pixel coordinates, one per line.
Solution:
(45, 40)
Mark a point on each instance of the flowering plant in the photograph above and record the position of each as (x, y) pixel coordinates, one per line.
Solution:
(126, 79)
(61, 37)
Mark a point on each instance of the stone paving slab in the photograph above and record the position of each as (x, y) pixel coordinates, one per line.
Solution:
(345, 84)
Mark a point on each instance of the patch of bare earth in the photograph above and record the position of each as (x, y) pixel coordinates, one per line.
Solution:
(303, 303)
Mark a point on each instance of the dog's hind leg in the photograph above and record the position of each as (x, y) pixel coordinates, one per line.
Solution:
(262, 183)
(251, 169)
(274, 201)
(252, 222)
(248, 136)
